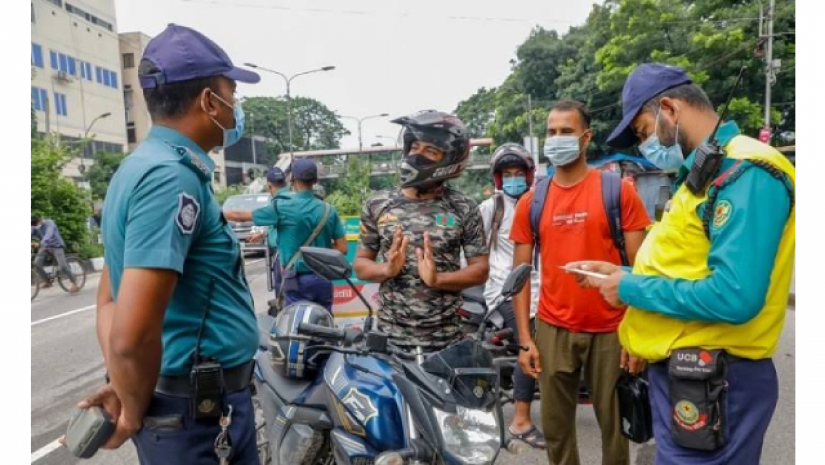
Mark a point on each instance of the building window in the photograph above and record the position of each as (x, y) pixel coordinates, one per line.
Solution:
(37, 55)
(89, 17)
(34, 20)
(107, 78)
(85, 70)
(56, 2)
(60, 104)
(131, 134)
(62, 62)
(128, 60)
(40, 99)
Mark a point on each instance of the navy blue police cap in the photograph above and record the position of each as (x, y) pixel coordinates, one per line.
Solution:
(181, 54)
(645, 82)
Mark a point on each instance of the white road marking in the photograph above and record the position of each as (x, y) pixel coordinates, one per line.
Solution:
(45, 450)
(62, 315)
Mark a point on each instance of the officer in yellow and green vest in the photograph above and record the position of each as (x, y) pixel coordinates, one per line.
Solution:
(709, 289)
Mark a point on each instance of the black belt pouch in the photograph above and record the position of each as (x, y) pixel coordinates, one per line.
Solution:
(698, 389)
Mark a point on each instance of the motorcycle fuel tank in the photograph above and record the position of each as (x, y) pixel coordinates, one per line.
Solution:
(364, 400)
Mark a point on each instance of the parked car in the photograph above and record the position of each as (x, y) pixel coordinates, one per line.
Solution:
(245, 229)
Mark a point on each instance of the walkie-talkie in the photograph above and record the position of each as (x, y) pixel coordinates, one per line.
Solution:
(709, 155)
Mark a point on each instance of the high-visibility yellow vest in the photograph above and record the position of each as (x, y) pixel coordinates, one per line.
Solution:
(677, 247)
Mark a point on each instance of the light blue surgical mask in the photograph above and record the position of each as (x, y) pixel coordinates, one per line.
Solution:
(514, 186)
(231, 136)
(562, 150)
(668, 159)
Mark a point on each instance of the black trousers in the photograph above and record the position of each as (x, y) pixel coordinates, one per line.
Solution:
(524, 386)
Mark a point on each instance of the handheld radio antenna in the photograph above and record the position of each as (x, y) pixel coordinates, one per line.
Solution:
(727, 104)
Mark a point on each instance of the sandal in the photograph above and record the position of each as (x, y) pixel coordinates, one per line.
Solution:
(532, 437)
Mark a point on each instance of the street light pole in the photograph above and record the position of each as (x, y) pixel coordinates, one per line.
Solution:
(360, 122)
(86, 138)
(288, 81)
(252, 138)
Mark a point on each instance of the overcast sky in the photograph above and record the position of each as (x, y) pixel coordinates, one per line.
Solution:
(391, 56)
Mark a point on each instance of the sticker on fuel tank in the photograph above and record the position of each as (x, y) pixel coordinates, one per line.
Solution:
(360, 405)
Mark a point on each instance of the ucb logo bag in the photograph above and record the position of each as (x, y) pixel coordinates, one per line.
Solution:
(698, 398)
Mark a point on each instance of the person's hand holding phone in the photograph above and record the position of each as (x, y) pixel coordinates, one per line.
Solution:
(607, 284)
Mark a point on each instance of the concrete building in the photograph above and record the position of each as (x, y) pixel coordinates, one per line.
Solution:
(77, 90)
(138, 123)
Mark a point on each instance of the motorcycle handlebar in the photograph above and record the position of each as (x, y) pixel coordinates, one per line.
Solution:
(321, 332)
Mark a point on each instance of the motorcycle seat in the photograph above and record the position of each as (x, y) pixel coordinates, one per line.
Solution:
(265, 323)
(475, 294)
(287, 389)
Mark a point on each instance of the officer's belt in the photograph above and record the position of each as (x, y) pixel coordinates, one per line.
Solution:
(235, 379)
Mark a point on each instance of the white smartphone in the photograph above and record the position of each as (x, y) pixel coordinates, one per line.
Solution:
(592, 274)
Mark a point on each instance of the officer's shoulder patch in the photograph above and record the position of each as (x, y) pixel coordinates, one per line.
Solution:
(722, 213)
(190, 159)
(187, 214)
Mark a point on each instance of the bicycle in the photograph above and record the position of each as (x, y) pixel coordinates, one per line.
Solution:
(54, 273)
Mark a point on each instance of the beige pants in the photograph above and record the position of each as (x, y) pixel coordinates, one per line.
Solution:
(564, 357)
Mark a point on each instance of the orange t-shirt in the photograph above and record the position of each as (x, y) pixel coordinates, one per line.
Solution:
(574, 227)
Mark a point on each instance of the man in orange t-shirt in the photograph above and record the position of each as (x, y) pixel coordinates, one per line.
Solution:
(576, 328)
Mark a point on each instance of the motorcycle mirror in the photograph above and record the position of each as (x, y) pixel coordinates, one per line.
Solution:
(516, 280)
(328, 263)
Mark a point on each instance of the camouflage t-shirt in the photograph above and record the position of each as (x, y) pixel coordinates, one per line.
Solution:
(412, 313)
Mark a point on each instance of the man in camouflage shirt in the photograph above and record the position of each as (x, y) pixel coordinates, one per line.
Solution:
(420, 231)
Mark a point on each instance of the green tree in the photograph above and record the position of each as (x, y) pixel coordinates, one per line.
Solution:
(55, 197)
(315, 126)
(350, 192)
(101, 172)
(712, 39)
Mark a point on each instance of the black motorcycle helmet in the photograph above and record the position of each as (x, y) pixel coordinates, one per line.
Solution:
(442, 130)
(292, 354)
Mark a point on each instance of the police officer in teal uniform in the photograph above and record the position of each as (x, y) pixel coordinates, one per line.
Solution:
(300, 218)
(176, 322)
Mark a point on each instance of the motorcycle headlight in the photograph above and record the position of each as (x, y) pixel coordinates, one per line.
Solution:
(472, 436)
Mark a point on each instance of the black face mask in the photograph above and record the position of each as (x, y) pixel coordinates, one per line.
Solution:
(420, 161)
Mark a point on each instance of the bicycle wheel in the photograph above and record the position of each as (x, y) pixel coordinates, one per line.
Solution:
(35, 284)
(78, 271)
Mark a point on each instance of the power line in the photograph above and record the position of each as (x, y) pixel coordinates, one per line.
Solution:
(233, 4)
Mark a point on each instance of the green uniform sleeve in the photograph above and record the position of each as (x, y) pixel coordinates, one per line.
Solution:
(750, 216)
(265, 216)
(165, 212)
(337, 226)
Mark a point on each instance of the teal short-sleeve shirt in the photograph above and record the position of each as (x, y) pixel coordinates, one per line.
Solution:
(160, 213)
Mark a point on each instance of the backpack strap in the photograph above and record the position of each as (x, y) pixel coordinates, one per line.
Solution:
(612, 199)
(498, 215)
(536, 209)
(315, 233)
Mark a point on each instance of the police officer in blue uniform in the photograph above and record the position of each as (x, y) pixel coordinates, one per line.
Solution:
(175, 321)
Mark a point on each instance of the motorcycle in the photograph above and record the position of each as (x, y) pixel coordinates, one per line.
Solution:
(371, 404)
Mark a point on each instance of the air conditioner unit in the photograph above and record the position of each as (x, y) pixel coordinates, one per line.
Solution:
(64, 76)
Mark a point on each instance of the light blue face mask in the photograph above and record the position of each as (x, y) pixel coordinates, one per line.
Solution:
(562, 150)
(231, 136)
(514, 186)
(668, 159)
